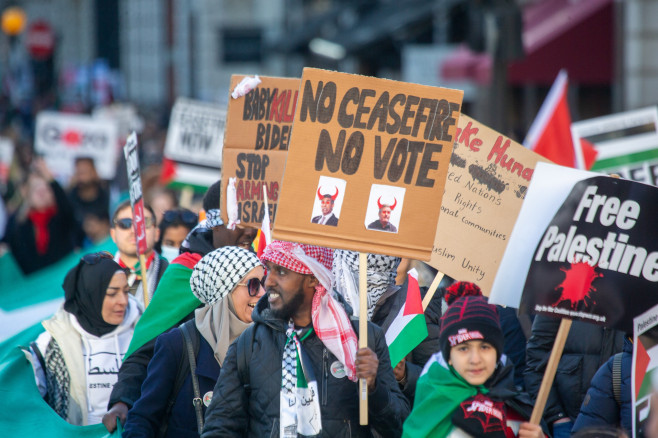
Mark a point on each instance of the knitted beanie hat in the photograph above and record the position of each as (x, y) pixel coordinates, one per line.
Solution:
(461, 289)
(219, 271)
(470, 318)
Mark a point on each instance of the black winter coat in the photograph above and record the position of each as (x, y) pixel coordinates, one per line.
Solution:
(236, 413)
(600, 407)
(385, 312)
(63, 230)
(588, 346)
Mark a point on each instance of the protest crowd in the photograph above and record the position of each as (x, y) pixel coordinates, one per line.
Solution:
(199, 323)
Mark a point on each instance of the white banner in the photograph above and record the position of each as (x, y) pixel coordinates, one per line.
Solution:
(63, 137)
(196, 133)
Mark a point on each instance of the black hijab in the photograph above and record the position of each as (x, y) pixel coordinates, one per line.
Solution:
(84, 291)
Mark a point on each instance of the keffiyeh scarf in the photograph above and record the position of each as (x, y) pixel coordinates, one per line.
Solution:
(330, 321)
(382, 270)
(299, 405)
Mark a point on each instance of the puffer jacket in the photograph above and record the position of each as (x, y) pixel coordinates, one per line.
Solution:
(236, 412)
(600, 407)
(588, 346)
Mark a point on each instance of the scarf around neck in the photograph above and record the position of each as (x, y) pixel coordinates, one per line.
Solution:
(219, 326)
(41, 219)
(439, 391)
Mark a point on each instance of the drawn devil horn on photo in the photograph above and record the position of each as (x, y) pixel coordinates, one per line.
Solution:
(333, 198)
(392, 207)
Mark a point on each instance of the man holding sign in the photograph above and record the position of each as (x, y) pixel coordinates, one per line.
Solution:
(303, 363)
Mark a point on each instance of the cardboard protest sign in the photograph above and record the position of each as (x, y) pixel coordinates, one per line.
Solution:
(258, 127)
(487, 181)
(390, 142)
(136, 200)
(627, 143)
(644, 374)
(585, 246)
(61, 138)
(6, 157)
(193, 148)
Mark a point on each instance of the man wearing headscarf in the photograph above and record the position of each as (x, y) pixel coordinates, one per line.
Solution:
(303, 367)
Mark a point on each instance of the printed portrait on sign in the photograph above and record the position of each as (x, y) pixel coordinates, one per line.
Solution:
(384, 208)
(329, 195)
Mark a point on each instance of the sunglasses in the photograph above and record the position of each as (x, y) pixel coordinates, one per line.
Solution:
(96, 257)
(185, 216)
(127, 223)
(253, 285)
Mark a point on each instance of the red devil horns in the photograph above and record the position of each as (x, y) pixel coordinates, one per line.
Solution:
(392, 207)
(333, 198)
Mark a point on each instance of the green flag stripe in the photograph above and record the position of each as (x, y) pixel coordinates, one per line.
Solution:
(624, 160)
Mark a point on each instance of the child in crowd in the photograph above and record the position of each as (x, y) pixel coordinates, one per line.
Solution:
(467, 389)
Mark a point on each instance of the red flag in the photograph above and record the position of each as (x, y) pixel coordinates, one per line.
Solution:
(550, 133)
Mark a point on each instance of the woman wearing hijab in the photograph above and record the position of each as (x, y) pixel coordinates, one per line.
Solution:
(77, 358)
(228, 281)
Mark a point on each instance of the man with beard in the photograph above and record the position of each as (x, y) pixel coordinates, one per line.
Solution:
(384, 221)
(300, 362)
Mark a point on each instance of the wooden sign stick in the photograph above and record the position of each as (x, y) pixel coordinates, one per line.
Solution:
(551, 368)
(363, 333)
(145, 289)
(432, 290)
(186, 195)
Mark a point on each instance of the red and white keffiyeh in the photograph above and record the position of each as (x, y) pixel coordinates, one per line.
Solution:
(330, 321)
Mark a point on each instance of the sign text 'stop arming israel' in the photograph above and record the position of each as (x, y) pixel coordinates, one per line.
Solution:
(63, 137)
(585, 246)
(196, 133)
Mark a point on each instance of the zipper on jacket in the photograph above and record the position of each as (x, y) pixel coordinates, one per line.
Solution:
(325, 377)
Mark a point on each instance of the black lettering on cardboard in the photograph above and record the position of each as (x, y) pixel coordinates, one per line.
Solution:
(362, 109)
(326, 152)
(247, 113)
(345, 120)
(427, 164)
(260, 135)
(381, 162)
(240, 171)
(353, 153)
(393, 128)
(408, 113)
(415, 147)
(420, 114)
(316, 106)
(379, 112)
(398, 161)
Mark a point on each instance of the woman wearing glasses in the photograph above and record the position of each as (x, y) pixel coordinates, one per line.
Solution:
(77, 359)
(228, 281)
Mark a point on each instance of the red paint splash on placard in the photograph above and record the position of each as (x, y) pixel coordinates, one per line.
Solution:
(577, 285)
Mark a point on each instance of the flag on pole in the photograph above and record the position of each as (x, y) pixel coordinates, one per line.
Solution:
(265, 235)
(409, 328)
(550, 132)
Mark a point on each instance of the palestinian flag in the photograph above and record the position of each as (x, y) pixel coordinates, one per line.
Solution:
(172, 301)
(409, 328)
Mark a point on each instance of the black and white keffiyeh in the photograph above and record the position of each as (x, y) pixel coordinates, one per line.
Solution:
(382, 270)
(214, 218)
(219, 271)
(299, 407)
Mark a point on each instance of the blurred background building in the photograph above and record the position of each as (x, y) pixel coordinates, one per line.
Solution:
(74, 54)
